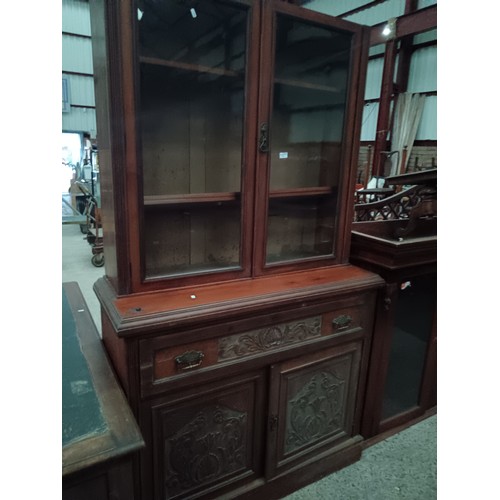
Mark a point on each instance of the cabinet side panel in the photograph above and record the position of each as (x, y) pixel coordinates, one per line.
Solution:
(117, 351)
(107, 76)
(99, 55)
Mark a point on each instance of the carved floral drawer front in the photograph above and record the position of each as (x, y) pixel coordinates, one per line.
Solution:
(181, 359)
(266, 339)
(171, 361)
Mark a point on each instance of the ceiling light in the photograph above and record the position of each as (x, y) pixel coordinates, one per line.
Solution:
(389, 30)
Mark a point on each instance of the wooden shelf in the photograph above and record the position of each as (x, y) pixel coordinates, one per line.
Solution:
(189, 199)
(289, 193)
(197, 68)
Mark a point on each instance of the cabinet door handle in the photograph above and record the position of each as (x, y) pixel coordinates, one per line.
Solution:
(190, 359)
(263, 138)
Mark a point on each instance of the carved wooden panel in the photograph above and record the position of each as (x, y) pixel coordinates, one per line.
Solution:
(316, 405)
(211, 445)
(313, 398)
(206, 440)
(266, 339)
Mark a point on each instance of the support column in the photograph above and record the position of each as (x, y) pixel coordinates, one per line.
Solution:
(384, 110)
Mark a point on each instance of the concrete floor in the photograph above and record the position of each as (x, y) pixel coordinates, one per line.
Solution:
(403, 466)
(77, 266)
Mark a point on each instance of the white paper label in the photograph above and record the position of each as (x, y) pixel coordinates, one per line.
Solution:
(284, 155)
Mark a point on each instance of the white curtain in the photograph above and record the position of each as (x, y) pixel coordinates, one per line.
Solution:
(406, 120)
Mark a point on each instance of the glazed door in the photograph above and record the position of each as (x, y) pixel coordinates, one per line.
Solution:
(308, 126)
(196, 86)
(411, 368)
(312, 404)
(235, 129)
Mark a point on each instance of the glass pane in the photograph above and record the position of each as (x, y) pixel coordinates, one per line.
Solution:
(192, 76)
(306, 132)
(300, 227)
(411, 333)
(192, 238)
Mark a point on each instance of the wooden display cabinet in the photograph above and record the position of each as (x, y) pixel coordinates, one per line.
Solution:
(228, 136)
(402, 384)
(230, 132)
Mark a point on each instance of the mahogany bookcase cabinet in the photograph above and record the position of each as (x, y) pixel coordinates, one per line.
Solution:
(228, 133)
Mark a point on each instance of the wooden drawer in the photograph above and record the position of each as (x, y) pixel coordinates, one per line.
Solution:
(172, 361)
(165, 359)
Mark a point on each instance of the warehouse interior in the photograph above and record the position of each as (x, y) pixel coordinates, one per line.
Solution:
(399, 463)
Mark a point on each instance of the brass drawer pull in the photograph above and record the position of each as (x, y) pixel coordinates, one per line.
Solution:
(190, 359)
(342, 322)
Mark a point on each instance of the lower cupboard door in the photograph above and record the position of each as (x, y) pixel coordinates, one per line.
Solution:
(208, 438)
(312, 403)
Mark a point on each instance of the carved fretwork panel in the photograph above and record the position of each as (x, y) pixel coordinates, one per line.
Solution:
(203, 443)
(397, 206)
(266, 339)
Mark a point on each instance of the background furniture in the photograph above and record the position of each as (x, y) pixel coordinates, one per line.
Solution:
(402, 378)
(99, 433)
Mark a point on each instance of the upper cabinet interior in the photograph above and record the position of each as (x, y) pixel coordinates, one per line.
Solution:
(240, 121)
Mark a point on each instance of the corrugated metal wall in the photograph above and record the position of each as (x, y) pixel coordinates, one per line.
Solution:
(370, 16)
(333, 8)
(76, 17)
(379, 13)
(423, 68)
(77, 58)
(77, 67)
(423, 78)
(369, 123)
(426, 3)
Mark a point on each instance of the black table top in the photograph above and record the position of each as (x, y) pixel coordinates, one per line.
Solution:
(81, 409)
(97, 423)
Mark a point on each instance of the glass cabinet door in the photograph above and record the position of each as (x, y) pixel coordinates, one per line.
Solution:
(191, 107)
(303, 130)
(414, 319)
